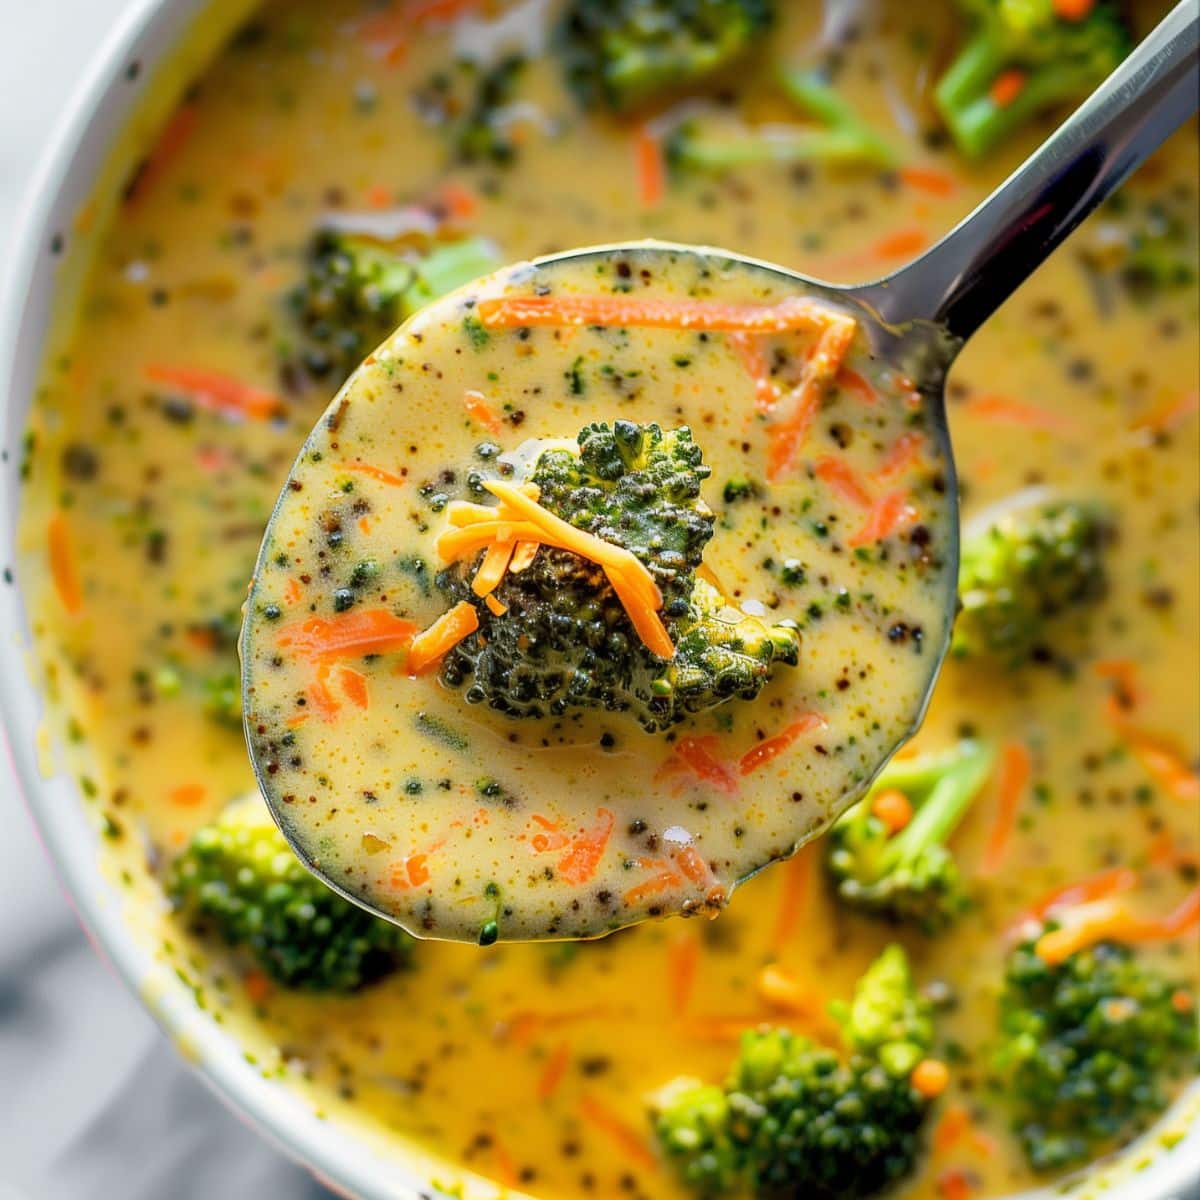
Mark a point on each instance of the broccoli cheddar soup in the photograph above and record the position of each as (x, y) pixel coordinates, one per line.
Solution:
(600, 585)
(450, 700)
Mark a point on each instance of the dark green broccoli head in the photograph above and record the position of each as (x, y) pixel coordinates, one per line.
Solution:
(1060, 60)
(565, 639)
(239, 878)
(627, 53)
(1087, 1047)
(357, 289)
(1025, 570)
(796, 1119)
(909, 876)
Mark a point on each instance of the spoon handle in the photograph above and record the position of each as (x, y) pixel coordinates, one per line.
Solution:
(962, 280)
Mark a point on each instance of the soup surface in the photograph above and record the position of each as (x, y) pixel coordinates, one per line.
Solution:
(572, 820)
(163, 433)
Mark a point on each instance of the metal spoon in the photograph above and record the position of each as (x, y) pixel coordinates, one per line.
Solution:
(918, 319)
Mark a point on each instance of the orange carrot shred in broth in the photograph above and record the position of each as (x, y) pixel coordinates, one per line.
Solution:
(749, 351)
(554, 1071)
(353, 634)
(631, 1144)
(379, 474)
(887, 515)
(1016, 766)
(188, 795)
(893, 808)
(842, 479)
(797, 886)
(354, 685)
(216, 391)
(772, 747)
(1108, 920)
(1006, 87)
(63, 568)
(177, 133)
(481, 412)
(579, 864)
(651, 167)
(933, 181)
(683, 961)
(1008, 410)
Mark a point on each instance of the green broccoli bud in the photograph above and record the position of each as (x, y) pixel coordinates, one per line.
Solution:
(239, 878)
(794, 1118)
(356, 290)
(1056, 60)
(1024, 570)
(564, 639)
(480, 137)
(910, 876)
(1086, 1049)
(629, 53)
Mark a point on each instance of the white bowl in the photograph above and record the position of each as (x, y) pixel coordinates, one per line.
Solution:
(107, 126)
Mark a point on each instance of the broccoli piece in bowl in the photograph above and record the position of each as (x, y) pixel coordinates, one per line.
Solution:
(904, 872)
(562, 637)
(1025, 570)
(795, 1118)
(1086, 1048)
(357, 289)
(1021, 58)
(629, 53)
(239, 878)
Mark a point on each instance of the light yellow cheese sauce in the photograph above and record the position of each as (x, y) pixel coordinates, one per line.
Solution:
(520, 1063)
(465, 823)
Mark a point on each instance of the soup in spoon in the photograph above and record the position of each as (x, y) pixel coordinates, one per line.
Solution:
(602, 584)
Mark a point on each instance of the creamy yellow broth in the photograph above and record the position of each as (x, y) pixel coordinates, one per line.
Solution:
(465, 823)
(164, 518)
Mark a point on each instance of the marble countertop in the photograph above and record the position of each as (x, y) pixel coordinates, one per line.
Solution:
(94, 1102)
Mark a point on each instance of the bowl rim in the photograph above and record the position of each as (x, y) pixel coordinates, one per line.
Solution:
(92, 118)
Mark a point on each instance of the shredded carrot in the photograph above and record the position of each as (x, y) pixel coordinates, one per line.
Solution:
(1103, 884)
(893, 808)
(651, 167)
(495, 607)
(933, 181)
(901, 456)
(1007, 86)
(904, 243)
(930, 1078)
(354, 634)
(63, 569)
(1182, 1001)
(174, 137)
(421, 11)
(443, 635)
(954, 1122)
(411, 871)
(554, 1071)
(1009, 411)
(492, 569)
(354, 685)
(954, 1184)
(320, 699)
(373, 472)
(586, 850)
(523, 1026)
(1164, 852)
(220, 393)
(1127, 693)
(843, 479)
(1108, 920)
(698, 754)
(860, 385)
(782, 990)
(749, 349)
(633, 584)
(887, 515)
(683, 961)
(458, 200)
(258, 987)
(481, 412)
(523, 556)
(188, 795)
(662, 880)
(1164, 764)
(626, 1138)
(797, 875)
(1016, 765)
(1073, 10)
(772, 747)
(1169, 415)
(504, 1166)
(794, 313)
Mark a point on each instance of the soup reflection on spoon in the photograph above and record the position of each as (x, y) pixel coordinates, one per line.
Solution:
(614, 577)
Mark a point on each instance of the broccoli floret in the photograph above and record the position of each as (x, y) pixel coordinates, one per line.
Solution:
(909, 876)
(1020, 59)
(1020, 572)
(839, 137)
(564, 639)
(629, 53)
(1087, 1046)
(479, 137)
(794, 1118)
(239, 878)
(357, 290)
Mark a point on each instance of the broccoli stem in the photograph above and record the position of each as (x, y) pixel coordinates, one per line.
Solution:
(937, 818)
(809, 92)
(970, 75)
(449, 267)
